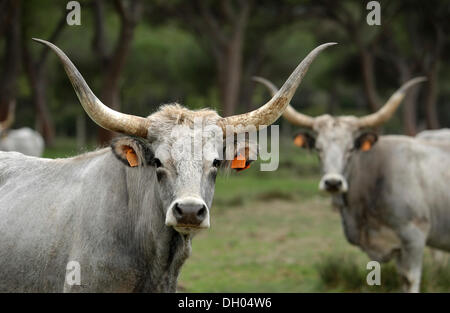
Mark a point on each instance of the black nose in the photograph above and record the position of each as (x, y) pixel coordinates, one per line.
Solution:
(333, 184)
(189, 214)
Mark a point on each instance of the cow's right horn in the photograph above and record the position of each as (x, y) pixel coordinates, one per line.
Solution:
(389, 108)
(274, 108)
(292, 115)
(97, 111)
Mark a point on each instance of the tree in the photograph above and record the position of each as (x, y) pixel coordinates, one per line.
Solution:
(10, 26)
(224, 28)
(436, 18)
(358, 34)
(416, 46)
(403, 39)
(112, 64)
(35, 70)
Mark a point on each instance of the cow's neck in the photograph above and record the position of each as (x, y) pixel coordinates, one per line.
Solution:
(360, 201)
(364, 175)
(160, 250)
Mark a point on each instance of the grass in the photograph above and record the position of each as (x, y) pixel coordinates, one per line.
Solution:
(270, 246)
(245, 189)
(66, 147)
(343, 273)
(274, 232)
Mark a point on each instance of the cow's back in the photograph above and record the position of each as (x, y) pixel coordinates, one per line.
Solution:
(435, 134)
(44, 205)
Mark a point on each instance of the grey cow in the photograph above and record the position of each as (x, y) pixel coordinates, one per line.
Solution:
(435, 134)
(24, 140)
(443, 136)
(391, 191)
(126, 213)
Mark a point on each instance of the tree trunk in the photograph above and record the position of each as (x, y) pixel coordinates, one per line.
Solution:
(38, 84)
(37, 78)
(40, 100)
(252, 67)
(368, 75)
(110, 88)
(409, 113)
(230, 71)
(333, 102)
(112, 66)
(430, 100)
(409, 103)
(81, 131)
(11, 59)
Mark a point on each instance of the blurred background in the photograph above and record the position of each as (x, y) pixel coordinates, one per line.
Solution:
(271, 231)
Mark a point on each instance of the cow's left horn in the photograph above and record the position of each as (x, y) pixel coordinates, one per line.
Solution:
(272, 110)
(97, 111)
(7, 123)
(389, 108)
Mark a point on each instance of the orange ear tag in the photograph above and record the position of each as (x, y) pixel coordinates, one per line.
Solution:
(244, 168)
(299, 141)
(132, 157)
(366, 146)
(239, 163)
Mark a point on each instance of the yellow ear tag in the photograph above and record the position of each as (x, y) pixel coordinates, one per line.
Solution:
(366, 146)
(299, 141)
(238, 162)
(132, 157)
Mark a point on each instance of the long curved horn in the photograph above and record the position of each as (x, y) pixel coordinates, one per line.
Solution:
(97, 111)
(272, 110)
(389, 108)
(10, 117)
(291, 114)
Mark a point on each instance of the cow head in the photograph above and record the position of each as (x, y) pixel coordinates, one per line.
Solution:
(338, 138)
(182, 149)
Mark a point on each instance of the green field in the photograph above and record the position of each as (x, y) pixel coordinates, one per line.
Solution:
(274, 232)
(278, 234)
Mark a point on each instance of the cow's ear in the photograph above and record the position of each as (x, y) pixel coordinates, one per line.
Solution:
(366, 141)
(304, 140)
(131, 151)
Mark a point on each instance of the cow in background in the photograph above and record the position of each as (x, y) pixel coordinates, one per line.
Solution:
(442, 135)
(23, 140)
(435, 134)
(391, 191)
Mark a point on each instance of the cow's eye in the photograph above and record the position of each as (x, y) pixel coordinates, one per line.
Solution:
(216, 163)
(156, 162)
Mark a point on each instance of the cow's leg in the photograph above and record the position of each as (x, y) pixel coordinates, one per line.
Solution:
(409, 261)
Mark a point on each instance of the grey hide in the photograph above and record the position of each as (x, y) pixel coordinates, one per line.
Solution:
(91, 209)
(398, 202)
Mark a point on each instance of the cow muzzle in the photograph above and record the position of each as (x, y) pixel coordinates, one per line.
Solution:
(188, 215)
(333, 183)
